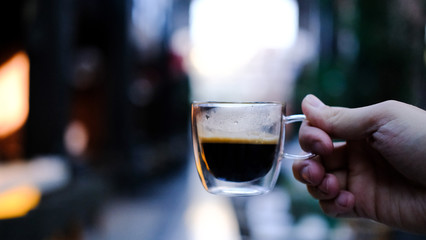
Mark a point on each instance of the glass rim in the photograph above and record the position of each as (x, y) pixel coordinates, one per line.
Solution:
(237, 103)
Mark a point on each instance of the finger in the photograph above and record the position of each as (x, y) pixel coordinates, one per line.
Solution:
(341, 206)
(335, 160)
(356, 123)
(309, 171)
(314, 140)
(338, 159)
(329, 188)
(312, 171)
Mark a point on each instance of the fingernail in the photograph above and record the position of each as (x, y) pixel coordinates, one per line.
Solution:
(342, 201)
(324, 186)
(314, 101)
(306, 175)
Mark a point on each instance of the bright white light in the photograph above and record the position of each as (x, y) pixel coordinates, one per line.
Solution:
(244, 23)
(227, 33)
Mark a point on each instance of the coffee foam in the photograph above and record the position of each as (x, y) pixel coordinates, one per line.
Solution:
(251, 124)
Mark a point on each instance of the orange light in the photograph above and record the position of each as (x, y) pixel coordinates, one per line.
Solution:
(18, 201)
(14, 93)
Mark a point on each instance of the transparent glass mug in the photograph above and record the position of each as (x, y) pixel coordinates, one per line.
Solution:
(239, 146)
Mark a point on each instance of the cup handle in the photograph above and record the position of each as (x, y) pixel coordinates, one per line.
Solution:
(292, 119)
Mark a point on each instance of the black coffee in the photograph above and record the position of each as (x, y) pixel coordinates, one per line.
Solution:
(238, 160)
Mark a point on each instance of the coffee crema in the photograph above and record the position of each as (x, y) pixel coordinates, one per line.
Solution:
(238, 160)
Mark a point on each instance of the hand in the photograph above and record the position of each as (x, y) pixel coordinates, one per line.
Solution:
(378, 171)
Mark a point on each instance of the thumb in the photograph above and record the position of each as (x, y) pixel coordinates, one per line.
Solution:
(339, 122)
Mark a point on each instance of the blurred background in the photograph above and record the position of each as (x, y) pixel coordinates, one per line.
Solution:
(95, 102)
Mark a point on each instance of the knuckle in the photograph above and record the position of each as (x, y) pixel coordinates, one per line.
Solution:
(334, 117)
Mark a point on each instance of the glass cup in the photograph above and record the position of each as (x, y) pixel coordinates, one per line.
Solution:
(238, 146)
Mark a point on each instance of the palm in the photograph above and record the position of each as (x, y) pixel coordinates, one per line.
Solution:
(381, 193)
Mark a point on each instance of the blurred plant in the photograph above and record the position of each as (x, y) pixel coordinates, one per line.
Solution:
(370, 51)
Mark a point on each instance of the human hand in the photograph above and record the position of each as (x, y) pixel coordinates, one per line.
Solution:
(378, 172)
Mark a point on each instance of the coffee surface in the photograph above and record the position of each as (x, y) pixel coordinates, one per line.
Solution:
(238, 160)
